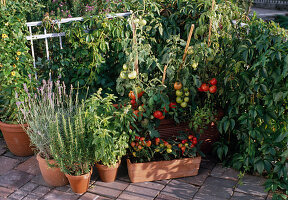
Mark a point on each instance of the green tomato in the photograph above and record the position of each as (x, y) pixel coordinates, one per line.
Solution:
(183, 104)
(142, 22)
(125, 68)
(123, 75)
(141, 109)
(186, 89)
(187, 93)
(194, 65)
(179, 93)
(179, 100)
(186, 99)
(136, 21)
(132, 75)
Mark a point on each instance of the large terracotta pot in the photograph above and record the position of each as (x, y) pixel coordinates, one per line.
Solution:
(159, 170)
(79, 184)
(16, 139)
(107, 174)
(51, 175)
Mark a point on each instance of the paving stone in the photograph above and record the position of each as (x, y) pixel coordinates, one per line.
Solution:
(18, 194)
(216, 187)
(179, 189)
(202, 196)
(31, 197)
(3, 146)
(90, 196)
(252, 185)
(145, 190)
(38, 179)
(15, 179)
(59, 195)
(7, 164)
(29, 186)
(111, 190)
(11, 155)
(124, 178)
(4, 192)
(41, 190)
(65, 188)
(224, 172)
(165, 197)
(197, 180)
(242, 196)
(30, 166)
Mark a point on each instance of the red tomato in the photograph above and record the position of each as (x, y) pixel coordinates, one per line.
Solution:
(204, 87)
(148, 143)
(133, 144)
(200, 89)
(132, 95)
(190, 137)
(166, 143)
(177, 85)
(172, 105)
(195, 138)
(192, 146)
(135, 112)
(184, 141)
(140, 94)
(179, 145)
(194, 142)
(139, 147)
(157, 114)
(137, 137)
(213, 81)
(142, 139)
(213, 89)
(183, 148)
(133, 101)
(157, 140)
(162, 117)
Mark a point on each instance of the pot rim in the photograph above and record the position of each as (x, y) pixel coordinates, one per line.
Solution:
(3, 124)
(130, 163)
(73, 176)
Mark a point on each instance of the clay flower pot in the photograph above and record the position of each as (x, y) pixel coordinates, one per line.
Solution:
(51, 175)
(107, 174)
(79, 184)
(159, 170)
(16, 139)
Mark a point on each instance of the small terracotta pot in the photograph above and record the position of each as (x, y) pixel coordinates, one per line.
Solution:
(51, 175)
(16, 139)
(107, 174)
(79, 184)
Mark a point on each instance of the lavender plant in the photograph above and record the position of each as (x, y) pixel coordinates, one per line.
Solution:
(39, 109)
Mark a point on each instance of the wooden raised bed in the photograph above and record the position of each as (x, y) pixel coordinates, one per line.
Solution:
(159, 170)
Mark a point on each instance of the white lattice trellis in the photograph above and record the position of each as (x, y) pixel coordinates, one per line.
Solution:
(46, 35)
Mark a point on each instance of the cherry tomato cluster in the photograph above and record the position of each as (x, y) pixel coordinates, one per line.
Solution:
(139, 143)
(205, 87)
(125, 74)
(162, 145)
(136, 109)
(179, 93)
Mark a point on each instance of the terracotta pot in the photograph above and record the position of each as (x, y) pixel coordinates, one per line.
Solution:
(79, 184)
(107, 174)
(159, 170)
(16, 139)
(51, 175)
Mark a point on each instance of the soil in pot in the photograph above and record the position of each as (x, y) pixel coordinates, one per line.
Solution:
(51, 175)
(107, 174)
(16, 139)
(79, 184)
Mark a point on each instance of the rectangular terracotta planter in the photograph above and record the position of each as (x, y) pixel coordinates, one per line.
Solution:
(159, 170)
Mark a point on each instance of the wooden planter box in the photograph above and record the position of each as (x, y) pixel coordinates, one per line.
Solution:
(159, 170)
(169, 128)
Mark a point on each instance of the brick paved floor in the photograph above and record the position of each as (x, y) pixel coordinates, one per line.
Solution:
(20, 178)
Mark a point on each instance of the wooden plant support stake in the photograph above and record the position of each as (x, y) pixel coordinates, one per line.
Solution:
(164, 74)
(210, 25)
(187, 45)
(136, 62)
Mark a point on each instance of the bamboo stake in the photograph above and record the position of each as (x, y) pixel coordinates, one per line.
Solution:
(210, 25)
(164, 74)
(186, 48)
(136, 62)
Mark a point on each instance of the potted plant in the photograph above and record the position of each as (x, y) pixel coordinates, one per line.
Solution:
(38, 109)
(110, 129)
(15, 69)
(159, 159)
(71, 145)
(203, 122)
